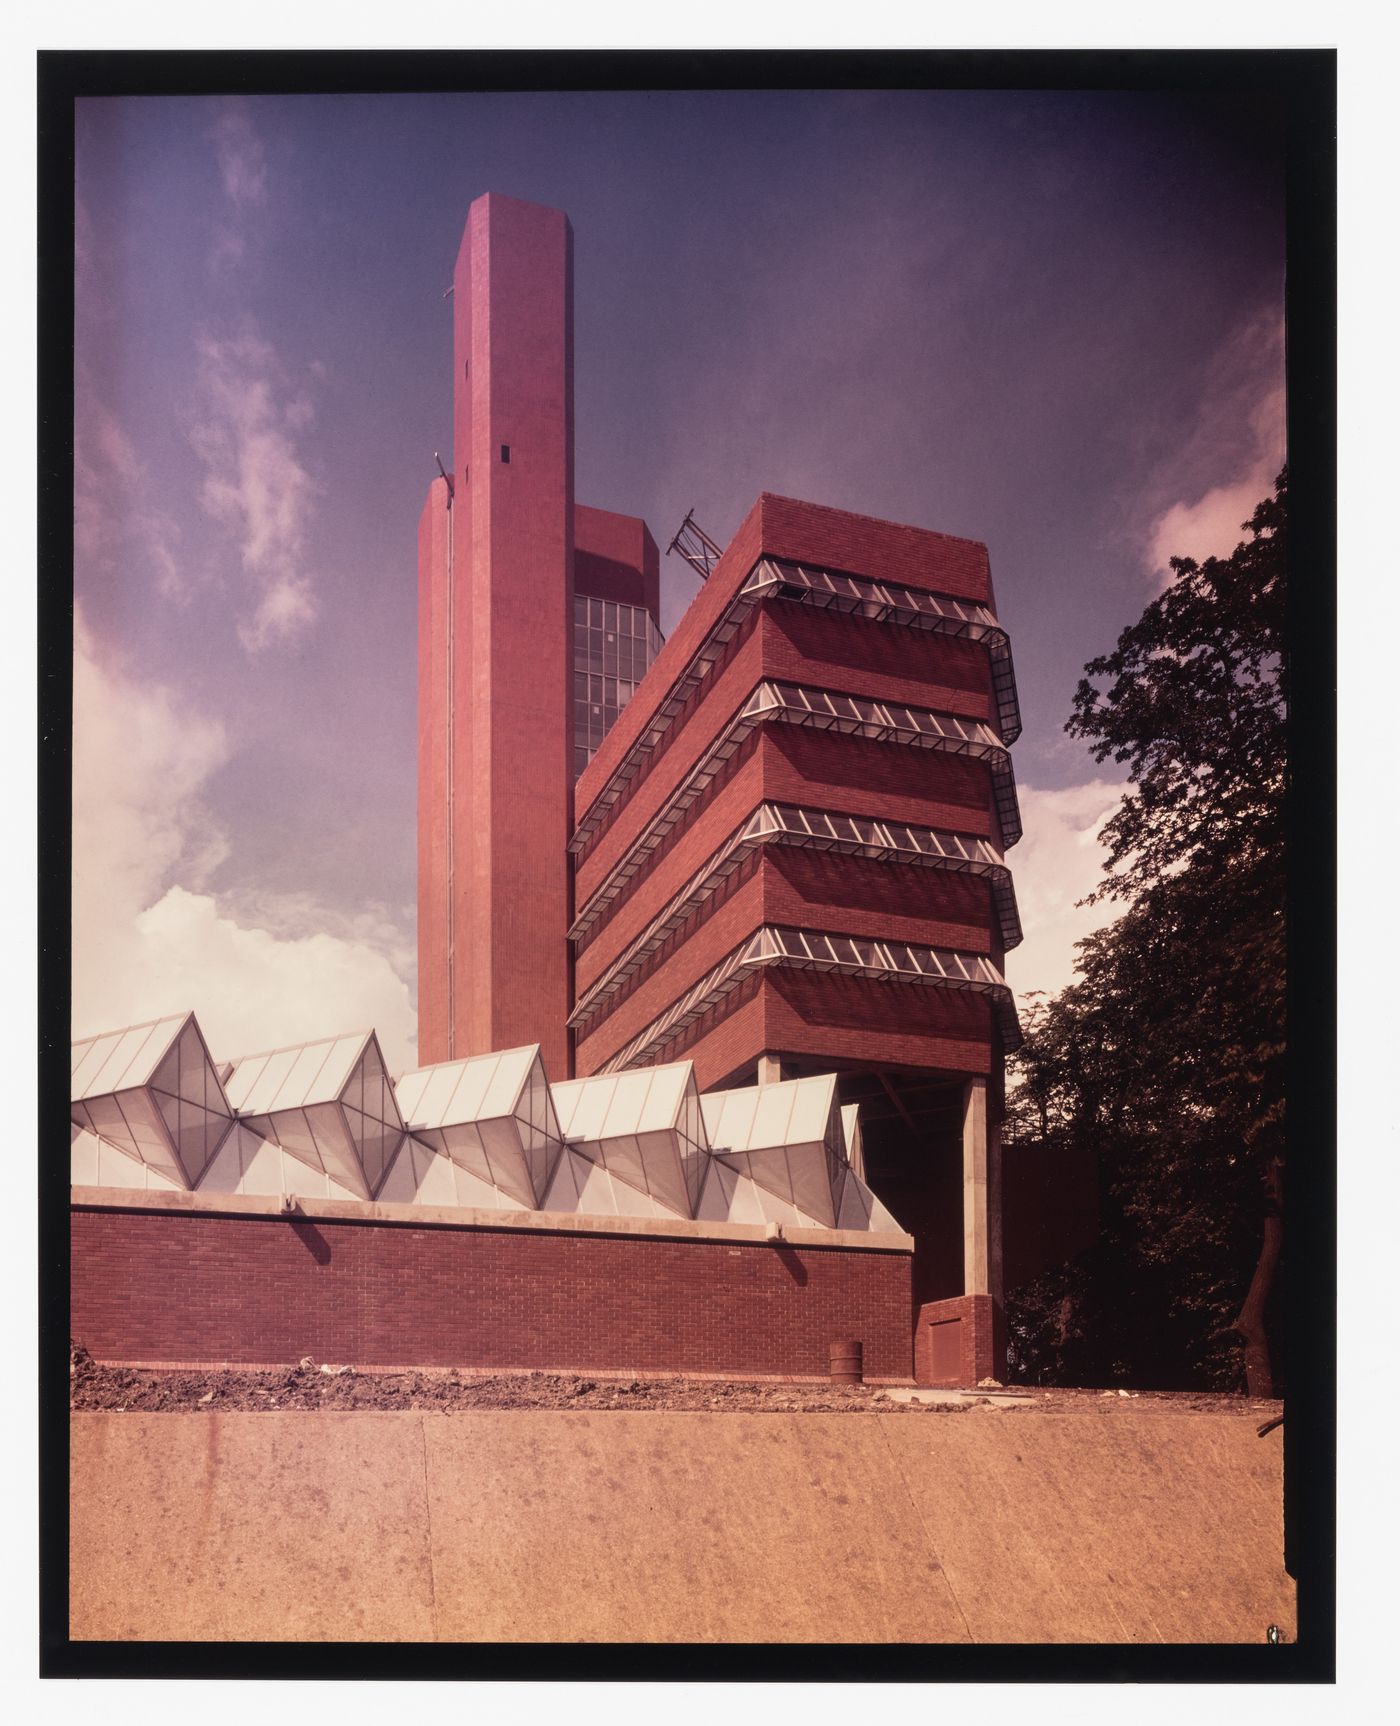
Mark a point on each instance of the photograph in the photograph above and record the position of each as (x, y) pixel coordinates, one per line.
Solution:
(687, 698)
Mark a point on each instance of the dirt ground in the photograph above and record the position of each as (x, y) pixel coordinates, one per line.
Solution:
(319, 1385)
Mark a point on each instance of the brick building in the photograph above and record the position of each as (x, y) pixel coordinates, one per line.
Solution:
(712, 1018)
(786, 852)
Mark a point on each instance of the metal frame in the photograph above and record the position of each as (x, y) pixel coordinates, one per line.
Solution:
(850, 955)
(811, 829)
(695, 546)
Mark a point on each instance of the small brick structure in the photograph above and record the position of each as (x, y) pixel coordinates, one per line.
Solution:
(177, 1277)
(956, 1342)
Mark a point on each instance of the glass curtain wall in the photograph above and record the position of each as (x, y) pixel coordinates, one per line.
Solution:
(614, 646)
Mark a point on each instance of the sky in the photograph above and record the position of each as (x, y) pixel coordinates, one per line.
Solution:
(1049, 321)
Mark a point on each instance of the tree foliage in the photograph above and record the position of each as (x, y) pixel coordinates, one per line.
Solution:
(1163, 1061)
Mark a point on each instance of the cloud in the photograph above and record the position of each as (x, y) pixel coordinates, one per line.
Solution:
(249, 422)
(1241, 437)
(242, 161)
(115, 524)
(149, 937)
(1059, 861)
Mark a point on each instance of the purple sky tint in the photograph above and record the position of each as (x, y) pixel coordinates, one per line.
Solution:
(1049, 321)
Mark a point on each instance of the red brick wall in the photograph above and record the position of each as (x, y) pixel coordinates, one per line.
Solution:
(789, 644)
(615, 557)
(788, 888)
(786, 764)
(883, 550)
(884, 661)
(845, 1022)
(830, 538)
(511, 701)
(172, 1285)
(698, 620)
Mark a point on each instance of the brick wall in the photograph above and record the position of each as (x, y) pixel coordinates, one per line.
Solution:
(615, 557)
(818, 770)
(787, 887)
(841, 1021)
(787, 643)
(178, 1284)
(811, 533)
(883, 550)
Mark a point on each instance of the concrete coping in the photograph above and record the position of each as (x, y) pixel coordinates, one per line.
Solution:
(454, 1217)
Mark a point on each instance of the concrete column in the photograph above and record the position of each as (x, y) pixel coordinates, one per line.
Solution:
(982, 1273)
(770, 1070)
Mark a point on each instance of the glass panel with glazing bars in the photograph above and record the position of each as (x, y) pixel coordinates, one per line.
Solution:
(614, 646)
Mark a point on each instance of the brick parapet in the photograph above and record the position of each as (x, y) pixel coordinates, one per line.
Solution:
(615, 558)
(180, 1282)
(839, 1022)
(841, 540)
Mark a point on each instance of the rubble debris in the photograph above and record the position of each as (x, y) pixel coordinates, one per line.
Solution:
(306, 1385)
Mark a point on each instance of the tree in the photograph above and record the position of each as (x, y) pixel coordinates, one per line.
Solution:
(1164, 1059)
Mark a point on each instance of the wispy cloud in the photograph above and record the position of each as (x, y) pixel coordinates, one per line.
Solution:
(1239, 441)
(116, 524)
(1058, 863)
(150, 937)
(248, 432)
(242, 160)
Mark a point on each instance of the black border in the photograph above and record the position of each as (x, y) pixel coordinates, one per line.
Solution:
(1303, 82)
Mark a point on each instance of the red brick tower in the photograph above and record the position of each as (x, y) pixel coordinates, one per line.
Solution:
(495, 635)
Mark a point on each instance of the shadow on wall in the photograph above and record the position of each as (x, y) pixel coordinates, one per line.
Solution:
(793, 1264)
(314, 1242)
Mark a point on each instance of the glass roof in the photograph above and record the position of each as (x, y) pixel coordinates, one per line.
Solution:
(121, 1060)
(294, 1077)
(153, 1091)
(477, 1088)
(758, 1117)
(640, 1143)
(787, 1137)
(607, 1107)
(489, 1114)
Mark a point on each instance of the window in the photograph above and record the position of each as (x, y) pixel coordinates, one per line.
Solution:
(505, 452)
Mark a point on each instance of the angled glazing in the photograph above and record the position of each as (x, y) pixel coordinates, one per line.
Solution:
(644, 1128)
(788, 1138)
(329, 1104)
(153, 1091)
(492, 1115)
